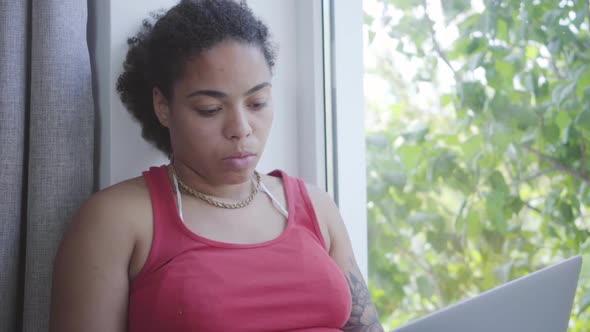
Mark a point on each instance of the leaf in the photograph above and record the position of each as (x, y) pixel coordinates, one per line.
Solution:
(474, 224)
(372, 35)
(472, 95)
(459, 215)
(583, 122)
(554, 46)
(476, 45)
(404, 4)
(495, 207)
(368, 19)
(503, 273)
(502, 29)
(515, 204)
(551, 133)
(410, 156)
(500, 137)
(395, 178)
(515, 116)
(506, 71)
(416, 134)
(584, 303)
(437, 239)
(441, 165)
(452, 8)
(475, 61)
(570, 133)
(584, 194)
(562, 92)
(446, 99)
(524, 117)
(529, 137)
(531, 82)
(563, 120)
(552, 17)
(421, 218)
(425, 287)
(532, 52)
(472, 146)
(580, 17)
(514, 57)
(565, 212)
(470, 23)
(498, 183)
(495, 240)
(577, 74)
(583, 90)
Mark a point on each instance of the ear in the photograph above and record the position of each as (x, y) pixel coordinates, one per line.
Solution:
(161, 107)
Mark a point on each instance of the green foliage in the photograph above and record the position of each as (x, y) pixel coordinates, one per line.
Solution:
(479, 164)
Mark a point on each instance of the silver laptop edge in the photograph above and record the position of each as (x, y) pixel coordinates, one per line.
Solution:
(538, 302)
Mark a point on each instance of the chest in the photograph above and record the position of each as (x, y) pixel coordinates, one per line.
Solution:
(256, 223)
(290, 285)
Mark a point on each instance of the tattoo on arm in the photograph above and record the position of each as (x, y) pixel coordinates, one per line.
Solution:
(364, 316)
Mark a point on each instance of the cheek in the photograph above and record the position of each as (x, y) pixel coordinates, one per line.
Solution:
(265, 120)
(192, 132)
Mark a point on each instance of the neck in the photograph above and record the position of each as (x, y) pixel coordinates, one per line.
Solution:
(212, 187)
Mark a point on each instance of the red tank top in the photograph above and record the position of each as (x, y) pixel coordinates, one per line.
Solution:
(191, 283)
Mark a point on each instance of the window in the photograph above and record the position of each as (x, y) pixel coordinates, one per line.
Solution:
(477, 126)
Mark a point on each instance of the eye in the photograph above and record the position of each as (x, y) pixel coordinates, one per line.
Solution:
(257, 105)
(209, 112)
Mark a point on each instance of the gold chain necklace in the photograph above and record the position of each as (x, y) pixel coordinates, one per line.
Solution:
(215, 202)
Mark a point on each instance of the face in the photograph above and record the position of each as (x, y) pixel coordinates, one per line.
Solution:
(220, 113)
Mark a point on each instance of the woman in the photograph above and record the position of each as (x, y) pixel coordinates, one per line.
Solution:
(206, 243)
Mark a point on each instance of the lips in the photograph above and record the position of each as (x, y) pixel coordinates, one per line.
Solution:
(239, 155)
(240, 160)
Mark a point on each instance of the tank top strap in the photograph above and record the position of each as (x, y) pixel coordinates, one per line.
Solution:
(167, 238)
(303, 210)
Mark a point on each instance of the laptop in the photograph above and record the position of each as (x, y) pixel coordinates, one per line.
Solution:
(539, 302)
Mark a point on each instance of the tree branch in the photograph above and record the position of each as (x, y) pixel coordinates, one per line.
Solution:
(583, 157)
(557, 165)
(513, 181)
(527, 204)
(429, 272)
(435, 42)
(538, 174)
(556, 71)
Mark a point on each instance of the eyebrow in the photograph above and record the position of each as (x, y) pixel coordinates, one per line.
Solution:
(219, 94)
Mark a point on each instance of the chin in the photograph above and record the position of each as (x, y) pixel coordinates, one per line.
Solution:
(237, 176)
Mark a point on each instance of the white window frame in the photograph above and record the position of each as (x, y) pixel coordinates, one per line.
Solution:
(345, 121)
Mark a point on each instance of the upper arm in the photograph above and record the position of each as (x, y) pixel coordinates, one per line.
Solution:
(90, 277)
(364, 315)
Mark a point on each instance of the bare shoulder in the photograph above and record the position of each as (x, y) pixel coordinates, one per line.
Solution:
(122, 194)
(327, 213)
(93, 260)
(321, 200)
(114, 211)
(117, 203)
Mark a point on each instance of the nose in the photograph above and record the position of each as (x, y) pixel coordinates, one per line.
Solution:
(237, 124)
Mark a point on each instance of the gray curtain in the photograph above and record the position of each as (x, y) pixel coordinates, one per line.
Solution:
(46, 147)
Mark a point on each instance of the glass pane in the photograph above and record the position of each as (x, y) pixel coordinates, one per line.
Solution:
(478, 136)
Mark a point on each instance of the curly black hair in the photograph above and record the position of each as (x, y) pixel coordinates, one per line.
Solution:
(158, 53)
